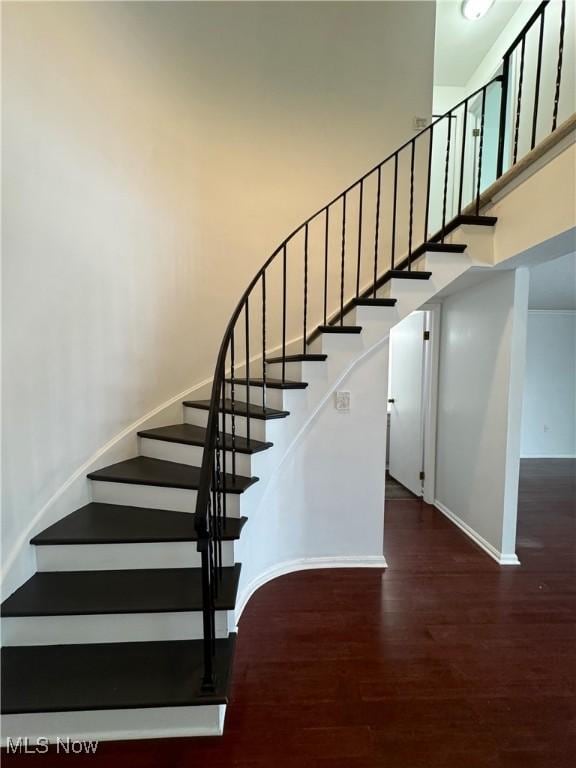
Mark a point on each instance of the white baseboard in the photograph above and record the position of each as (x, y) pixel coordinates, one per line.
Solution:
(501, 559)
(550, 456)
(115, 724)
(304, 564)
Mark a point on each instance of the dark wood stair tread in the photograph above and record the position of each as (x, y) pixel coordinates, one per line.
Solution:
(404, 274)
(97, 523)
(373, 302)
(433, 247)
(270, 383)
(240, 409)
(470, 219)
(166, 474)
(303, 358)
(151, 590)
(333, 329)
(339, 329)
(60, 678)
(191, 434)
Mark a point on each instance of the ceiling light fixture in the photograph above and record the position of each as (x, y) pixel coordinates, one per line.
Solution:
(475, 9)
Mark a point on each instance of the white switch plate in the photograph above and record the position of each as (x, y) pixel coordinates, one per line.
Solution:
(342, 401)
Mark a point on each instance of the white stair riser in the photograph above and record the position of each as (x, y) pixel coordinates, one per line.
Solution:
(380, 316)
(411, 294)
(156, 497)
(257, 426)
(306, 371)
(191, 454)
(445, 267)
(117, 557)
(110, 628)
(116, 724)
(275, 398)
(335, 343)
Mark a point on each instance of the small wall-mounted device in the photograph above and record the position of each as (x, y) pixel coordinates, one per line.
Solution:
(342, 401)
(419, 123)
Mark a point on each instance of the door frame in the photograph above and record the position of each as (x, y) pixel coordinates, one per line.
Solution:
(430, 399)
(429, 410)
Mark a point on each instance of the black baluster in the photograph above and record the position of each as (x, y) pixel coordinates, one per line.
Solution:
(247, 340)
(284, 313)
(377, 230)
(326, 234)
(559, 67)
(503, 115)
(446, 172)
(519, 101)
(463, 156)
(212, 593)
(232, 404)
(223, 443)
(305, 288)
(481, 151)
(428, 188)
(342, 259)
(216, 514)
(213, 509)
(207, 602)
(394, 209)
(264, 340)
(538, 75)
(360, 203)
(411, 216)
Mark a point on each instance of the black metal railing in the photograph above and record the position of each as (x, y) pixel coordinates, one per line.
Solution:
(532, 69)
(346, 250)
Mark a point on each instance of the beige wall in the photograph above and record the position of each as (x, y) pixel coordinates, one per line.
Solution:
(153, 155)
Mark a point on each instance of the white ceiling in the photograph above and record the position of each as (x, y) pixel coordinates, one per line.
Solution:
(553, 284)
(461, 44)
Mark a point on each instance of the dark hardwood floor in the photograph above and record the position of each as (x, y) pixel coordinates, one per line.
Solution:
(445, 660)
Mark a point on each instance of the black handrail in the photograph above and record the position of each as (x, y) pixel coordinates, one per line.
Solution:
(211, 512)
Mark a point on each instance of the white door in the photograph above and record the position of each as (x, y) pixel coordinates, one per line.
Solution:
(405, 390)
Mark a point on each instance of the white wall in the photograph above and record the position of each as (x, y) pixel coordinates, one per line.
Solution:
(153, 156)
(324, 506)
(549, 410)
(482, 352)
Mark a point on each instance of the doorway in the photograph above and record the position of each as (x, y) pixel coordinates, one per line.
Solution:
(412, 386)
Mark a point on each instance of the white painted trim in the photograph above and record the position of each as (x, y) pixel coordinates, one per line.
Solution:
(305, 564)
(78, 629)
(431, 405)
(501, 559)
(117, 724)
(531, 167)
(549, 456)
(552, 311)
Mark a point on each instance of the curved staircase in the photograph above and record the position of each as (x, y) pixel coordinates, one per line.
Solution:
(127, 630)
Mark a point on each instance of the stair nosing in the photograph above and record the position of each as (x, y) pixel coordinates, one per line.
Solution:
(299, 358)
(339, 329)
